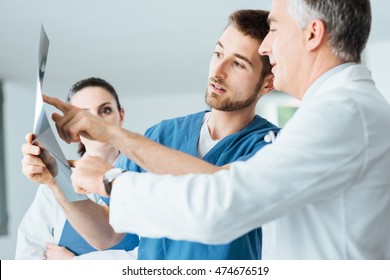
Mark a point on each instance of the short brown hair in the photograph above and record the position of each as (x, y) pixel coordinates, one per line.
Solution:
(253, 23)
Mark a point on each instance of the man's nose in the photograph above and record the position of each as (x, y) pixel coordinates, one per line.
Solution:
(265, 47)
(219, 69)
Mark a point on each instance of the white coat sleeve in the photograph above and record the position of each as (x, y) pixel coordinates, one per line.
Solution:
(37, 226)
(301, 167)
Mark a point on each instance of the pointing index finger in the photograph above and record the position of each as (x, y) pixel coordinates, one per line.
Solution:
(60, 105)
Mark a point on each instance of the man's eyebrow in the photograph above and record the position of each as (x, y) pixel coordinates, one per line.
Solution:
(244, 58)
(238, 55)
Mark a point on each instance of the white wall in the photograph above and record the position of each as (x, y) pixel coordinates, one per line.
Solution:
(378, 60)
(18, 112)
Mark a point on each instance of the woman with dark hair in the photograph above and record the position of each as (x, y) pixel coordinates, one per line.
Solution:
(44, 232)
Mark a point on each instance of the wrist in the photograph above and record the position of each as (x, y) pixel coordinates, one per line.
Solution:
(109, 178)
(51, 182)
(115, 135)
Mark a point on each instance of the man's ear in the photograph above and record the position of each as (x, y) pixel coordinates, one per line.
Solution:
(315, 32)
(268, 84)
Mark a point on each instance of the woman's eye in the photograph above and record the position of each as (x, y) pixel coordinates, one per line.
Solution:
(106, 111)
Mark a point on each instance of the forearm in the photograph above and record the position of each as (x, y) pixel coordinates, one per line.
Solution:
(90, 220)
(155, 157)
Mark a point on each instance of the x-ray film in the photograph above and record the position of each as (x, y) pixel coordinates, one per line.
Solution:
(51, 153)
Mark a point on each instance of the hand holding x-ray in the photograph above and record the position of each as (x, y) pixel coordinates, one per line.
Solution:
(51, 153)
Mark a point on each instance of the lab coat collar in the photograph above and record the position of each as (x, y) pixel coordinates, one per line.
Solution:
(337, 77)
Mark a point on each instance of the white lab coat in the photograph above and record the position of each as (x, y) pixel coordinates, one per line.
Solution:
(43, 223)
(321, 191)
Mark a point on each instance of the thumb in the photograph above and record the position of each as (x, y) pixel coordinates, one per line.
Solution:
(29, 137)
(73, 163)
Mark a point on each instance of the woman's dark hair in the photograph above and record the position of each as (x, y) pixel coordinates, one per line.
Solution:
(92, 82)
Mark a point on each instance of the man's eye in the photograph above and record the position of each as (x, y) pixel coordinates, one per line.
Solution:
(217, 54)
(238, 65)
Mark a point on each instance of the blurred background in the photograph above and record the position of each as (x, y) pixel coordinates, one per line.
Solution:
(155, 53)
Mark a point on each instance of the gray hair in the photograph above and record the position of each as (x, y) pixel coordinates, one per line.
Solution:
(348, 23)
